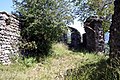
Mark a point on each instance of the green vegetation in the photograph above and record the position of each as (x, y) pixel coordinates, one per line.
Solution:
(94, 71)
(44, 21)
(102, 8)
(54, 67)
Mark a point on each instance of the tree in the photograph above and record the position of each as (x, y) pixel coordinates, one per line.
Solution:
(115, 36)
(44, 21)
(102, 8)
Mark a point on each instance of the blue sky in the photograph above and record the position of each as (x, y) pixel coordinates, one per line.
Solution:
(6, 5)
(107, 34)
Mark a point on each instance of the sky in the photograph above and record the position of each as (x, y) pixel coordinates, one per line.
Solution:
(79, 25)
(107, 34)
(6, 5)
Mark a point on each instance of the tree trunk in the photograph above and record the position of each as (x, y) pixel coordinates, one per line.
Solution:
(115, 38)
(115, 32)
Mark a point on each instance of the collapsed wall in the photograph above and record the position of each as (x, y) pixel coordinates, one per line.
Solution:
(94, 35)
(9, 36)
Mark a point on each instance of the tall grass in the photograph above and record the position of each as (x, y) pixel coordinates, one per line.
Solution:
(60, 49)
(100, 70)
(62, 64)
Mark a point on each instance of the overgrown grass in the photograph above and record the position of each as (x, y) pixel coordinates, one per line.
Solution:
(62, 64)
(95, 70)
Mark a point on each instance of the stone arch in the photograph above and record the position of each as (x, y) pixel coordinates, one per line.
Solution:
(75, 38)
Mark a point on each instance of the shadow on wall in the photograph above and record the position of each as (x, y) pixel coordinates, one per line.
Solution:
(75, 39)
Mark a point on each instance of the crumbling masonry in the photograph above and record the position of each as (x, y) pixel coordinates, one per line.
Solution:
(9, 37)
(94, 36)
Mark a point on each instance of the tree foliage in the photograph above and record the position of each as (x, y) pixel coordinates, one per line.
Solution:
(102, 8)
(43, 21)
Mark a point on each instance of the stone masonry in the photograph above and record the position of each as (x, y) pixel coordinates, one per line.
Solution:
(75, 39)
(9, 37)
(94, 34)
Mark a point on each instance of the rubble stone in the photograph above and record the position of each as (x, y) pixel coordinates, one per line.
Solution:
(94, 34)
(9, 37)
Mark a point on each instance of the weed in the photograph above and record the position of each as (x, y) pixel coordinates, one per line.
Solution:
(61, 64)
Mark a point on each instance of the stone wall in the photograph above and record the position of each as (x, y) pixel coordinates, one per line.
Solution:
(75, 39)
(9, 36)
(94, 34)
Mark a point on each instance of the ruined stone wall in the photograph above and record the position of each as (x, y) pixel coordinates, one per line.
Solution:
(9, 36)
(75, 39)
(94, 34)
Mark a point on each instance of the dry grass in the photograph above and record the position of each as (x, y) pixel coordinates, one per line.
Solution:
(53, 68)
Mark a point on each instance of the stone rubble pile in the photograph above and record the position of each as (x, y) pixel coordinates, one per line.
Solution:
(9, 37)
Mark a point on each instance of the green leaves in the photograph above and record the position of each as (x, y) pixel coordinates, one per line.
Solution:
(102, 8)
(44, 21)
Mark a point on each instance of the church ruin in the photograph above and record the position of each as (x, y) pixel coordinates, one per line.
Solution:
(93, 39)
